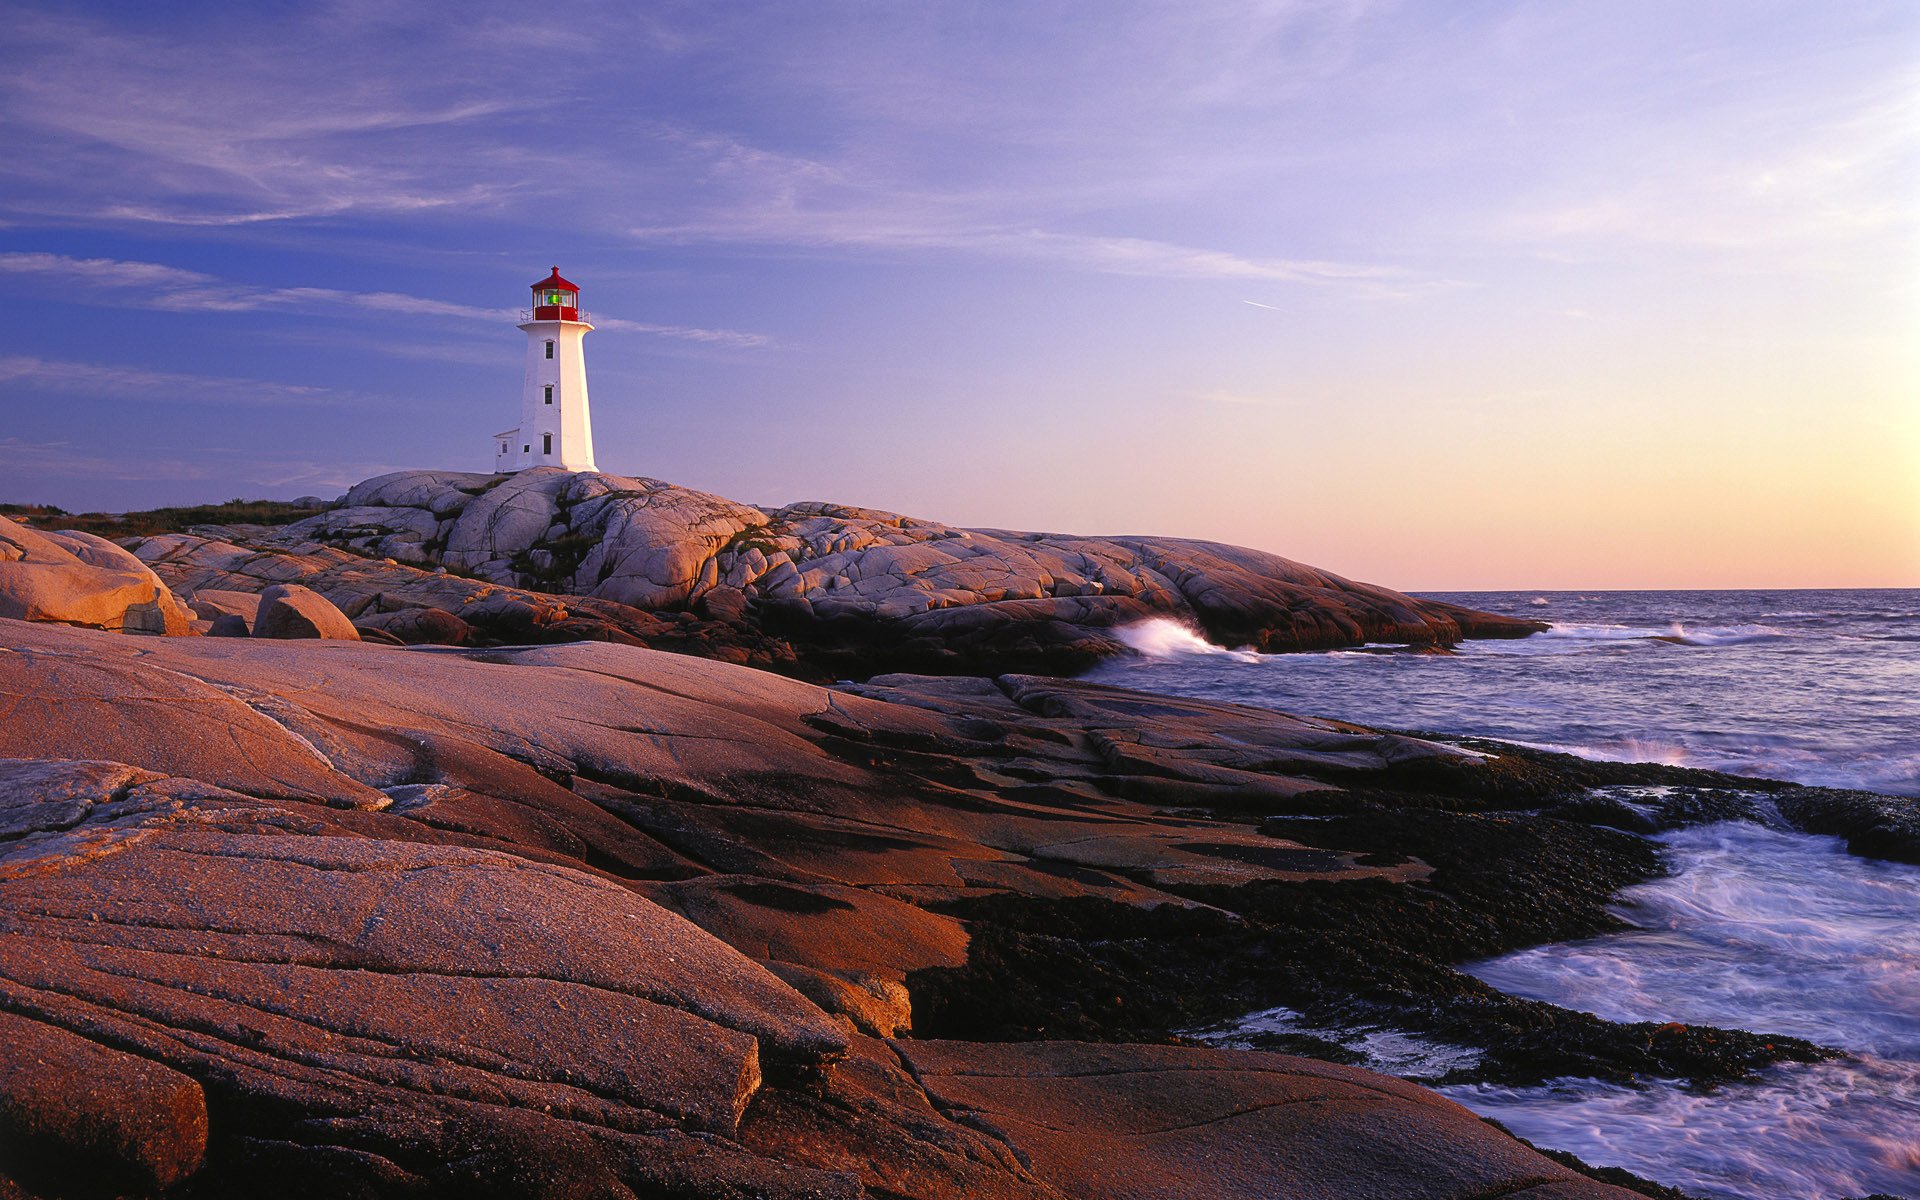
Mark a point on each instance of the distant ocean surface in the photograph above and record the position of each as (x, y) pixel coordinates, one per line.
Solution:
(1757, 928)
(1818, 687)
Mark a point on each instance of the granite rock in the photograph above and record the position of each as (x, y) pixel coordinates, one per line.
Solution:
(288, 610)
(833, 589)
(590, 919)
(74, 578)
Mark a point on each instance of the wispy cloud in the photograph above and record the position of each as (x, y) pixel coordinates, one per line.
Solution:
(154, 285)
(22, 373)
(686, 333)
(37, 462)
(388, 115)
(899, 232)
(104, 272)
(213, 127)
(1775, 175)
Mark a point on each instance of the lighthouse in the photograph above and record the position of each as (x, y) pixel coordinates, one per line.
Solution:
(555, 429)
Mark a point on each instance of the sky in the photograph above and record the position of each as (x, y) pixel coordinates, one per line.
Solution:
(1446, 295)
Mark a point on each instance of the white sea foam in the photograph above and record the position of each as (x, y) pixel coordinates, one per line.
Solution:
(1731, 635)
(1384, 1049)
(1577, 638)
(1757, 930)
(1825, 1131)
(1763, 930)
(1164, 637)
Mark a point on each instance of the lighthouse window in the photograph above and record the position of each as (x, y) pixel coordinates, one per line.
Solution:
(546, 443)
(549, 390)
(549, 349)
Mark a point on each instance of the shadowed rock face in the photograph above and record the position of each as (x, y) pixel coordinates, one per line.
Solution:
(324, 918)
(847, 590)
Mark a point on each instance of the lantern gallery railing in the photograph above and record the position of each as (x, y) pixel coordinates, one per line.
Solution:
(583, 316)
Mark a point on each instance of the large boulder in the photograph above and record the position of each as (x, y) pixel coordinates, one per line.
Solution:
(220, 561)
(288, 610)
(442, 493)
(74, 578)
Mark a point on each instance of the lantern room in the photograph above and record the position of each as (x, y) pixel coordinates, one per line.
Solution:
(554, 299)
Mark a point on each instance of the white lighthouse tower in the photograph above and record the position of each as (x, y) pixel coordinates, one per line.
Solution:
(555, 429)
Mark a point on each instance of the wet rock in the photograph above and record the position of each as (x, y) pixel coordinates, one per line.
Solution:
(1875, 826)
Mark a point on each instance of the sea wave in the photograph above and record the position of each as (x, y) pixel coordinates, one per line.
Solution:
(1726, 635)
(1575, 638)
(1825, 1131)
(1734, 686)
(1756, 929)
(1164, 637)
(1886, 769)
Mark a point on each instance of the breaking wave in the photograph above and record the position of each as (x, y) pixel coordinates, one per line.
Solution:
(1164, 637)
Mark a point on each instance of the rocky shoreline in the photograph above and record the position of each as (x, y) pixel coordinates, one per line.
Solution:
(576, 919)
(306, 913)
(822, 591)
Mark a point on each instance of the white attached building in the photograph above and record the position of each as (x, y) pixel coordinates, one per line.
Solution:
(555, 429)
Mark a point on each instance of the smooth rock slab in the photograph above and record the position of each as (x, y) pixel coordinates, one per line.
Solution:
(1176, 1123)
(375, 995)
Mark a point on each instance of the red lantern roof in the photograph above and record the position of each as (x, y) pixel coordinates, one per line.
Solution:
(554, 281)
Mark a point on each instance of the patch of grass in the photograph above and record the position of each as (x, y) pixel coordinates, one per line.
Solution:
(753, 537)
(568, 550)
(162, 520)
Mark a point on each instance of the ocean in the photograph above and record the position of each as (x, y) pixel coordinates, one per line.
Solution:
(1813, 686)
(1755, 927)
